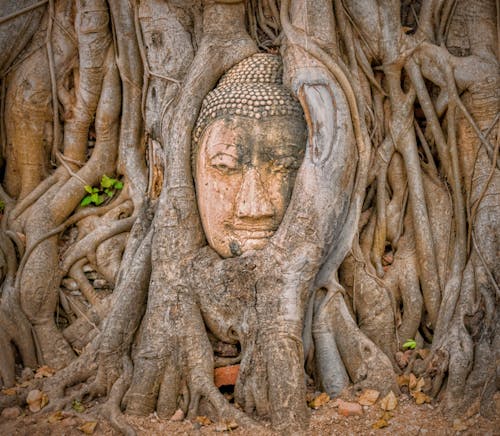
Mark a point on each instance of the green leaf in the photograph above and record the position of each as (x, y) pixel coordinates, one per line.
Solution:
(118, 185)
(109, 192)
(78, 407)
(94, 198)
(86, 201)
(107, 182)
(94, 190)
(88, 188)
(410, 344)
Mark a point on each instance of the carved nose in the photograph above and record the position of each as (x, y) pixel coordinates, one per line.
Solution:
(252, 200)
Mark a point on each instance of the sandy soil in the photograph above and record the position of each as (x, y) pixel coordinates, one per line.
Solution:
(407, 419)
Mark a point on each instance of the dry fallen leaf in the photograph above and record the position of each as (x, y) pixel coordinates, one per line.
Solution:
(44, 371)
(203, 420)
(420, 384)
(226, 426)
(412, 381)
(421, 398)
(55, 417)
(9, 391)
(403, 380)
(389, 402)
(381, 423)
(319, 401)
(88, 427)
(36, 400)
(368, 397)
(232, 425)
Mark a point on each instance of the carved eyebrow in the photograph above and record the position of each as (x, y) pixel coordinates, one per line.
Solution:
(229, 149)
(283, 150)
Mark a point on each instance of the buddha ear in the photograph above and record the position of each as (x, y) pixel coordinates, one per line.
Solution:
(318, 104)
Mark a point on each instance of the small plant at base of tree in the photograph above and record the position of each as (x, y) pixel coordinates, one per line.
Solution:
(97, 195)
(410, 344)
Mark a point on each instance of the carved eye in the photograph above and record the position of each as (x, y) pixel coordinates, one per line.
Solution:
(225, 163)
(285, 164)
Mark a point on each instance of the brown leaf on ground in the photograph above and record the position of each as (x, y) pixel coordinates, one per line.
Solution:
(383, 421)
(319, 401)
(389, 402)
(416, 384)
(420, 384)
(421, 398)
(44, 371)
(403, 380)
(412, 381)
(368, 397)
(9, 391)
(203, 420)
(36, 400)
(88, 427)
(55, 417)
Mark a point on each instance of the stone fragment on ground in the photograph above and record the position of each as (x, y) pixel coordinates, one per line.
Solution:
(177, 416)
(347, 408)
(11, 412)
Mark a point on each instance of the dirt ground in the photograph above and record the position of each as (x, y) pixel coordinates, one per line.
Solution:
(406, 419)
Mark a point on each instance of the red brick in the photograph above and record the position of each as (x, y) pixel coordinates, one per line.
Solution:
(226, 375)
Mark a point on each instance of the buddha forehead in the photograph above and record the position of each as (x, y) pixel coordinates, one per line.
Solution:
(248, 139)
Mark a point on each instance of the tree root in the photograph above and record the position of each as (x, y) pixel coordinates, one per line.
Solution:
(367, 366)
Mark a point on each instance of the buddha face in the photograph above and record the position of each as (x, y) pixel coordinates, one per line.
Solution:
(245, 172)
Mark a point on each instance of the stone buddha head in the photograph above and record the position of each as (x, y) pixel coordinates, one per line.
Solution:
(248, 144)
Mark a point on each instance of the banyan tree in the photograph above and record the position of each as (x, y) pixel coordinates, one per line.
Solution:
(297, 187)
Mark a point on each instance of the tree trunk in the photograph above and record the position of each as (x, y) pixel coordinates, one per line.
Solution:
(377, 217)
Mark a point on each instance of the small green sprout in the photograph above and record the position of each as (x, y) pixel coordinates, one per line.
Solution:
(410, 344)
(2, 206)
(97, 195)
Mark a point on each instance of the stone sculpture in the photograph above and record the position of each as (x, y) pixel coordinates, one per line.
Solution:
(249, 142)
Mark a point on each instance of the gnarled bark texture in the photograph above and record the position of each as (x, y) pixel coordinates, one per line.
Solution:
(392, 231)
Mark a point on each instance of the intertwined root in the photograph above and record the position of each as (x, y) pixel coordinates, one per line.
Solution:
(394, 236)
